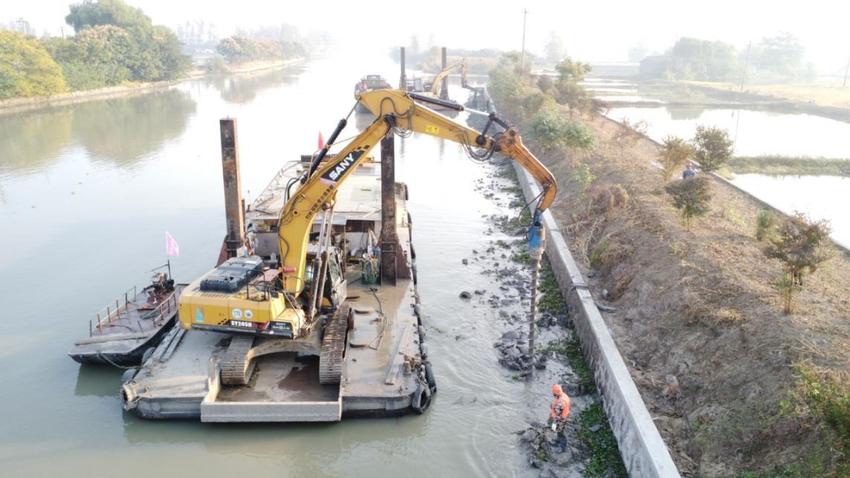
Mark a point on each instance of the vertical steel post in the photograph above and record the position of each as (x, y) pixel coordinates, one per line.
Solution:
(444, 88)
(389, 236)
(234, 214)
(536, 256)
(402, 81)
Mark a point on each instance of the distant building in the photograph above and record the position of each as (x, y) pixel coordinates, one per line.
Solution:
(654, 66)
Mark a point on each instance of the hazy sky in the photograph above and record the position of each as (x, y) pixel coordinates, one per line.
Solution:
(591, 30)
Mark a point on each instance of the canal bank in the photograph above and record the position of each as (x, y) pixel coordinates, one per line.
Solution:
(166, 176)
(776, 140)
(20, 105)
(695, 312)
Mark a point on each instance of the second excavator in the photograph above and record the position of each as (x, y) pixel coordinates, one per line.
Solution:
(296, 302)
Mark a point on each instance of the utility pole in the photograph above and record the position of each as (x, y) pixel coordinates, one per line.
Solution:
(741, 90)
(522, 53)
(746, 65)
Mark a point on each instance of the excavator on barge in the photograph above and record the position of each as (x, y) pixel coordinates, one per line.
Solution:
(296, 302)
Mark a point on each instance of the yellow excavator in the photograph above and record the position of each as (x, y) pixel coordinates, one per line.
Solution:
(436, 86)
(301, 304)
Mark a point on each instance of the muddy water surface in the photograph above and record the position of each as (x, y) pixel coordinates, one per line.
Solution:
(86, 195)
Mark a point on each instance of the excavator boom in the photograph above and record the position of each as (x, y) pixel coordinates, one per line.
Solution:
(400, 110)
(437, 84)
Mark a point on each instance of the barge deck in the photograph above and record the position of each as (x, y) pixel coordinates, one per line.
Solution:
(384, 372)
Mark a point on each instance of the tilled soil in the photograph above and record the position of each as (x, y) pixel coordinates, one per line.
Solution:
(695, 312)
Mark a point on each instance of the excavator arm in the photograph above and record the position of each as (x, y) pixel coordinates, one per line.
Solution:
(394, 109)
(412, 115)
(437, 85)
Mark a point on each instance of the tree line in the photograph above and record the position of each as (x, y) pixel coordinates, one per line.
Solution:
(114, 43)
(774, 58)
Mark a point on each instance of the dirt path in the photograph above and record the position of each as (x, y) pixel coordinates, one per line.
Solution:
(697, 317)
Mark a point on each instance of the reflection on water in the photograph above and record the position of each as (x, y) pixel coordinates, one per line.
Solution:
(755, 133)
(244, 88)
(30, 140)
(685, 113)
(97, 381)
(123, 131)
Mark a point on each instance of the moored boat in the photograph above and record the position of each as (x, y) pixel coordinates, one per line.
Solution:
(122, 332)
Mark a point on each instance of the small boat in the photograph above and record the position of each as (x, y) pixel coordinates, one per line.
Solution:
(122, 332)
(369, 83)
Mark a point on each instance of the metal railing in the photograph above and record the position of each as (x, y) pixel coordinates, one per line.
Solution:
(109, 314)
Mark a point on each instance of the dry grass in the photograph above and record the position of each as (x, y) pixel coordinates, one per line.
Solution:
(821, 94)
(701, 305)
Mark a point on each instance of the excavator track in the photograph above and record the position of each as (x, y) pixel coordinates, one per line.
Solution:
(333, 347)
(235, 369)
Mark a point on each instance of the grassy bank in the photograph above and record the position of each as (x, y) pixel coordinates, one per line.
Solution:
(820, 94)
(696, 312)
(785, 165)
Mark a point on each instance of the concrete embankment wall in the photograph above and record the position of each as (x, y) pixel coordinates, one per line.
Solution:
(764, 204)
(644, 452)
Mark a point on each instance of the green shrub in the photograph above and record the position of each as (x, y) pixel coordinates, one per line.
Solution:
(690, 196)
(216, 65)
(583, 177)
(766, 222)
(801, 245)
(674, 154)
(827, 397)
(713, 147)
(26, 68)
(556, 132)
(118, 42)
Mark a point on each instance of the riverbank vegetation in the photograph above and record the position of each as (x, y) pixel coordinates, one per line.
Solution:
(779, 58)
(113, 43)
(117, 44)
(789, 165)
(26, 68)
(700, 305)
(801, 245)
(541, 115)
(712, 147)
(240, 49)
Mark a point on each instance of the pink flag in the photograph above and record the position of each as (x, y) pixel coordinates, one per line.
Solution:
(171, 246)
(321, 140)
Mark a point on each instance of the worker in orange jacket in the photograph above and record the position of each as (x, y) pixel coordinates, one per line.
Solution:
(559, 411)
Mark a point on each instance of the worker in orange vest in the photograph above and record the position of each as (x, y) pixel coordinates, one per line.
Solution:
(558, 414)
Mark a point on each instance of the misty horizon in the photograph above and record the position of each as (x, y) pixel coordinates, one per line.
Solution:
(588, 31)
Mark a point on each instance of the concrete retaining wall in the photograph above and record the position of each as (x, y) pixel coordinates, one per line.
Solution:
(644, 452)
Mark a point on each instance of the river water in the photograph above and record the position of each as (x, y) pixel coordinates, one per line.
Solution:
(86, 195)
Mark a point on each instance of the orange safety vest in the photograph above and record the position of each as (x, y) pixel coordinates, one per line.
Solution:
(560, 408)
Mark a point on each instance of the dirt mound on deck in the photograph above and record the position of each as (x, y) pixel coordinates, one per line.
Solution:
(697, 316)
